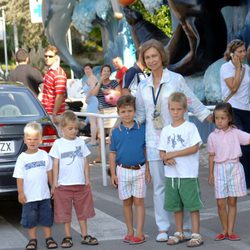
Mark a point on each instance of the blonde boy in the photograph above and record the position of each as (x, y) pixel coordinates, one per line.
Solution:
(179, 149)
(33, 172)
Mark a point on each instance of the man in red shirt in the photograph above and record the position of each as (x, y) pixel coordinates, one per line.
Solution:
(54, 89)
(121, 70)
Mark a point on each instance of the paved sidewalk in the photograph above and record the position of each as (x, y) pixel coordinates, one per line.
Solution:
(106, 199)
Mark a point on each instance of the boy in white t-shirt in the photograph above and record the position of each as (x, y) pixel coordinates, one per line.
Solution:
(179, 149)
(33, 171)
(71, 181)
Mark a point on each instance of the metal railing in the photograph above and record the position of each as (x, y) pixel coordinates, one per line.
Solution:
(100, 118)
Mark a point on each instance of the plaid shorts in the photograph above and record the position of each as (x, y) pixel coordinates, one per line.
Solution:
(79, 196)
(131, 182)
(229, 180)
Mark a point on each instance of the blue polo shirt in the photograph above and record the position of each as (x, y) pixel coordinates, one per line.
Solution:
(129, 144)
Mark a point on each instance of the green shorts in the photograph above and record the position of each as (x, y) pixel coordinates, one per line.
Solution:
(182, 193)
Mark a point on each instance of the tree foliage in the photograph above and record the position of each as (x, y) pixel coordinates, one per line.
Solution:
(161, 18)
(29, 34)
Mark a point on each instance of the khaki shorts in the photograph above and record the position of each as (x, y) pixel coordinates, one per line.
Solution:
(182, 193)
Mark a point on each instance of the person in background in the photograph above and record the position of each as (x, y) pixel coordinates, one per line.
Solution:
(102, 90)
(25, 73)
(54, 88)
(121, 70)
(33, 172)
(71, 180)
(129, 168)
(225, 170)
(235, 89)
(92, 102)
(151, 106)
(133, 76)
(179, 149)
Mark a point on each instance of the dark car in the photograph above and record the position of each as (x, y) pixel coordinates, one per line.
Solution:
(18, 106)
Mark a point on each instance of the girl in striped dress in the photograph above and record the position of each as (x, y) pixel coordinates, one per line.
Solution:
(225, 170)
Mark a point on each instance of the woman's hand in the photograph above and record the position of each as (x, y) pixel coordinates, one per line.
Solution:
(236, 61)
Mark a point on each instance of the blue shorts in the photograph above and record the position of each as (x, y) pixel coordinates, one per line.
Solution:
(37, 213)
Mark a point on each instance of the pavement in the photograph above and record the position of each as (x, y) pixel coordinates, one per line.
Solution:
(108, 224)
(106, 198)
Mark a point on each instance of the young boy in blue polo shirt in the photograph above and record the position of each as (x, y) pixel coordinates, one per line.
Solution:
(129, 168)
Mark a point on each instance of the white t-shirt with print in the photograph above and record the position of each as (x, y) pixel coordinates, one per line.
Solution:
(71, 154)
(178, 138)
(33, 168)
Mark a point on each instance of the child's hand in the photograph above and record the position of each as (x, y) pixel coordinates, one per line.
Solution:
(169, 155)
(148, 176)
(170, 162)
(22, 198)
(211, 180)
(114, 181)
(87, 181)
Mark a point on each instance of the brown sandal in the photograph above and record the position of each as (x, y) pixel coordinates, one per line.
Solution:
(89, 240)
(50, 243)
(32, 244)
(67, 242)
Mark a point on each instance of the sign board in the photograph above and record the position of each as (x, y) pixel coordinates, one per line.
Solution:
(36, 11)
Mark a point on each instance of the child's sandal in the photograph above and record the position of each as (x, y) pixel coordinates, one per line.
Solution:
(67, 242)
(196, 240)
(50, 243)
(177, 238)
(32, 244)
(89, 240)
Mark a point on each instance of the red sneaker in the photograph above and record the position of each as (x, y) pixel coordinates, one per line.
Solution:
(128, 238)
(234, 237)
(220, 237)
(137, 240)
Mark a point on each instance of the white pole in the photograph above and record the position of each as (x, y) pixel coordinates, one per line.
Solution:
(103, 152)
(5, 44)
(15, 36)
(70, 49)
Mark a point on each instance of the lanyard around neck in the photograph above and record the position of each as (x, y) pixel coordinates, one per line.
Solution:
(155, 98)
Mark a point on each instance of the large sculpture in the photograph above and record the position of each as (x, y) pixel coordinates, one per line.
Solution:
(199, 38)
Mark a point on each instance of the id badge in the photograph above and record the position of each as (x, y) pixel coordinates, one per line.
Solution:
(157, 120)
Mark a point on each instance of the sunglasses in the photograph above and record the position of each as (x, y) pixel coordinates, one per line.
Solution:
(49, 56)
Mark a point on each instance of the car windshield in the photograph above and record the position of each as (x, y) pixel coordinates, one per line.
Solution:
(18, 104)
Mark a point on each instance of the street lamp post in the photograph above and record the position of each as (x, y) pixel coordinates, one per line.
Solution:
(4, 40)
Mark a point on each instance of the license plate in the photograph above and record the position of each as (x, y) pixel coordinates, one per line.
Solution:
(7, 147)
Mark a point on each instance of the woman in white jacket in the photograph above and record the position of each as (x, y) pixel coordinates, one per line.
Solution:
(152, 107)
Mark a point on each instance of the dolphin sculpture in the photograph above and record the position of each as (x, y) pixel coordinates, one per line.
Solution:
(56, 15)
(199, 39)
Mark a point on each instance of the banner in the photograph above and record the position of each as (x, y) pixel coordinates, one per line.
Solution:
(36, 11)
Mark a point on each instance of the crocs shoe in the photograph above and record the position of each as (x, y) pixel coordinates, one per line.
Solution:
(220, 237)
(128, 238)
(137, 240)
(162, 237)
(234, 237)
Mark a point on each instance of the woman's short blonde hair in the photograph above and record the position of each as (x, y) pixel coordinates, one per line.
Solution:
(232, 47)
(152, 43)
